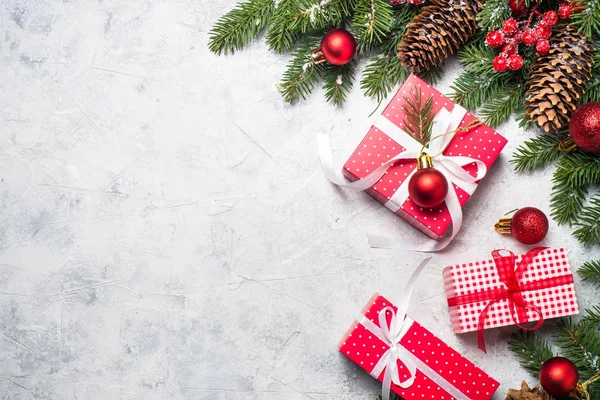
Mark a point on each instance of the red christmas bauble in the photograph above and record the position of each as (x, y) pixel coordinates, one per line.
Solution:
(584, 127)
(338, 46)
(529, 225)
(559, 376)
(428, 187)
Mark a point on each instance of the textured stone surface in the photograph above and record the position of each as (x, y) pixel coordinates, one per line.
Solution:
(166, 232)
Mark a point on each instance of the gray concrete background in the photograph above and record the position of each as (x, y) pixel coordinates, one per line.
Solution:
(166, 232)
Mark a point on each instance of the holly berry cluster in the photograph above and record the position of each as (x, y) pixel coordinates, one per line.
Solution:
(514, 33)
(398, 2)
(568, 7)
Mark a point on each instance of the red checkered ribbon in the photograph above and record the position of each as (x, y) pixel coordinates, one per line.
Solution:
(511, 273)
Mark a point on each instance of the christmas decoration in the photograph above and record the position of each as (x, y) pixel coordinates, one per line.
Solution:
(437, 32)
(338, 47)
(510, 290)
(528, 225)
(558, 79)
(427, 187)
(518, 8)
(403, 128)
(559, 376)
(527, 393)
(407, 358)
(584, 127)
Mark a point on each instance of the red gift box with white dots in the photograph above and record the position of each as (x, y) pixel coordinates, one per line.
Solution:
(365, 349)
(481, 143)
(481, 276)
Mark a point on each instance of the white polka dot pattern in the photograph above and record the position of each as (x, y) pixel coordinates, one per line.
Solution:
(481, 143)
(463, 279)
(365, 349)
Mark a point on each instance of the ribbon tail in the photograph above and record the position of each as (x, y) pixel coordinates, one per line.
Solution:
(387, 381)
(481, 323)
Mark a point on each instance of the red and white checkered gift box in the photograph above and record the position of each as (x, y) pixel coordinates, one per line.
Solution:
(439, 372)
(509, 290)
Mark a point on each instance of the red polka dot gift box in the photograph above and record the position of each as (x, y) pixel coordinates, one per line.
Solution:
(510, 289)
(416, 364)
(473, 148)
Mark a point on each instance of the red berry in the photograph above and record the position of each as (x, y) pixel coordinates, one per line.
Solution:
(577, 7)
(564, 11)
(518, 8)
(509, 49)
(542, 46)
(510, 26)
(528, 37)
(495, 39)
(515, 62)
(500, 63)
(550, 18)
(543, 31)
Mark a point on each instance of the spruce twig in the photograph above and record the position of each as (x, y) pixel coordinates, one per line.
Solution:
(283, 31)
(592, 315)
(588, 20)
(566, 202)
(499, 108)
(373, 20)
(590, 271)
(580, 343)
(493, 14)
(588, 223)
(419, 115)
(338, 82)
(531, 350)
(536, 153)
(301, 74)
(239, 26)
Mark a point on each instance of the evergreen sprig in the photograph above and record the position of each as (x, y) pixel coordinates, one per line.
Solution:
(301, 75)
(373, 20)
(588, 223)
(592, 316)
(578, 169)
(536, 153)
(588, 20)
(419, 115)
(498, 109)
(493, 14)
(590, 271)
(319, 15)
(338, 81)
(239, 26)
(283, 31)
(566, 202)
(530, 349)
(580, 343)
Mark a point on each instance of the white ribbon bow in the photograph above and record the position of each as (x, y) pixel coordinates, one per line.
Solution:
(391, 334)
(449, 166)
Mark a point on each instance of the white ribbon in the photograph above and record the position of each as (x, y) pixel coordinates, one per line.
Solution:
(449, 166)
(391, 334)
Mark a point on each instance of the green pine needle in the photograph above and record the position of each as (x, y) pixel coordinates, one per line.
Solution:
(239, 26)
(493, 14)
(283, 30)
(536, 153)
(373, 20)
(319, 15)
(499, 109)
(590, 271)
(592, 315)
(588, 20)
(580, 343)
(531, 350)
(566, 202)
(578, 169)
(338, 82)
(588, 223)
(419, 115)
(301, 74)
(381, 75)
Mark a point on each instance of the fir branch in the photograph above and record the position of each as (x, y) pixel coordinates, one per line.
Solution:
(531, 350)
(493, 14)
(592, 315)
(283, 32)
(500, 108)
(580, 343)
(592, 93)
(338, 81)
(301, 74)
(373, 20)
(381, 75)
(578, 169)
(239, 26)
(590, 271)
(566, 202)
(588, 223)
(385, 72)
(321, 14)
(419, 115)
(536, 153)
(432, 75)
(588, 20)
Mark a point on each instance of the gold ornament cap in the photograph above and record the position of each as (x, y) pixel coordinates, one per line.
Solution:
(503, 226)
(424, 161)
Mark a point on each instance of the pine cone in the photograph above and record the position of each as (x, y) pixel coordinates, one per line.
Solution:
(526, 393)
(558, 79)
(438, 31)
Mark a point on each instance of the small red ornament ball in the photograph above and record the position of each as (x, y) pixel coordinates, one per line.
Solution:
(500, 63)
(529, 225)
(559, 376)
(338, 46)
(584, 127)
(428, 187)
